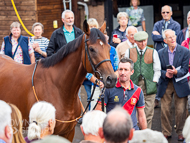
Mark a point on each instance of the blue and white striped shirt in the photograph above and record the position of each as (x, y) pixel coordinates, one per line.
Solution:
(43, 43)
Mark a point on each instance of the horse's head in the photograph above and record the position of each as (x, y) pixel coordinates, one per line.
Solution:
(97, 55)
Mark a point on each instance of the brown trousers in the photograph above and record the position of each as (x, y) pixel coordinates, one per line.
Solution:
(180, 111)
(149, 103)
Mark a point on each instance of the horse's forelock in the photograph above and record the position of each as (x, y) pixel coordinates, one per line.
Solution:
(95, 34)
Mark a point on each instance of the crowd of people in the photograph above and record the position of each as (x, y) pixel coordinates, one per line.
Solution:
(146, 76)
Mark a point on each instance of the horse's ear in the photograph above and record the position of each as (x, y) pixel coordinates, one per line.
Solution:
(103, 27)
(86, 28)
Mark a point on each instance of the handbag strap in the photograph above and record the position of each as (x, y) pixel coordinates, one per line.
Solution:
(17, 47)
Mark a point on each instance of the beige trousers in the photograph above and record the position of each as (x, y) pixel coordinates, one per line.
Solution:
(180, 111)
(149, 103)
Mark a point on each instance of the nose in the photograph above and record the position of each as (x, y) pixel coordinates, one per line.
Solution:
(110, 81)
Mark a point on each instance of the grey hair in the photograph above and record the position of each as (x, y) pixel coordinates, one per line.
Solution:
(117, 125)
(122, 14)
(130, 27)
(92, 121)
(167, 5)
(40, 114)
(186, 130)
(127, 60)
(5, 116)
(164, 33)
(188, 14)
(14, 25)
(37, 24)
(66, 11)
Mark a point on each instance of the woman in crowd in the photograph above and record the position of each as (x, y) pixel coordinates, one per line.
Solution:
(16, 121)
(119, 34)
(17, 46)
(136, 15)
(42, 121)
(186, 43)
(38, 42)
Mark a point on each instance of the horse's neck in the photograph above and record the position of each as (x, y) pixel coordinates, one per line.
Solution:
(70, 73)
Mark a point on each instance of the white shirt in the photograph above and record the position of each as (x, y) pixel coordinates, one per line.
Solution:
(156, 63)
(130, 44)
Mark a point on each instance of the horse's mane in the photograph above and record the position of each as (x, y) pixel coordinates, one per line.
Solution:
(71, 47)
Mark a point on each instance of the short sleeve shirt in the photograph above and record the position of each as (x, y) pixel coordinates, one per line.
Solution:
(136, 16)
(69, 36)
(119, 96)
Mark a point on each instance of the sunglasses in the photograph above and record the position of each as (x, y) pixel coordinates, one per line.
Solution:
(165, 12)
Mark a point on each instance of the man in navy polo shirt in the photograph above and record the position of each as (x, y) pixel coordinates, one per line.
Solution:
(126, 94)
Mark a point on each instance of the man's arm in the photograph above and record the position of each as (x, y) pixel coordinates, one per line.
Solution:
(156, 36)
(142, 118)
(51, 46)
(156, 66)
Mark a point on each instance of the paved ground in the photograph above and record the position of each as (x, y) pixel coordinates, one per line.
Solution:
(155, 126)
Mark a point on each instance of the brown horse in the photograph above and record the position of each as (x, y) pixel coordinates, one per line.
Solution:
(58, 78)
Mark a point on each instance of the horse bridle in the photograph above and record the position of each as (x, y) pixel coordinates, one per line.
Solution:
(94, 67)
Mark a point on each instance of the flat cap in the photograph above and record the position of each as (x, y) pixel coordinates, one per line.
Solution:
(140, 36)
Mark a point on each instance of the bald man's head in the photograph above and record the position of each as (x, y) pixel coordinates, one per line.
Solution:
(117, 126)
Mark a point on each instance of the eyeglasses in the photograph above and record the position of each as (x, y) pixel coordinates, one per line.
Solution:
(165, 12)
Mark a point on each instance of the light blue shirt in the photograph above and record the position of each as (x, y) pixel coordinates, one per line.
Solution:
(69, 36)
(171, 55)
(2, 141)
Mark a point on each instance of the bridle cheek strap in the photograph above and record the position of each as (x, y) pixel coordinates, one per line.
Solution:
(94, 67)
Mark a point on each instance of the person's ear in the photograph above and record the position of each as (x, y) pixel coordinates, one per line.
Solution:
(131, 134)
(132, 72)
(62, 20)
(82, 130)
(101, 133)
(165, 40)
(8, 132)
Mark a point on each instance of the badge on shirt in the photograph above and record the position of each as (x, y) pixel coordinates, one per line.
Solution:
(116, 99)
(133, 101)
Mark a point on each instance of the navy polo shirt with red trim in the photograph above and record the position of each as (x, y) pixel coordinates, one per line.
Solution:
(119, 96)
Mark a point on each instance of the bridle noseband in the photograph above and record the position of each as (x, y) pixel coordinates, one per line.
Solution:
(94, 67)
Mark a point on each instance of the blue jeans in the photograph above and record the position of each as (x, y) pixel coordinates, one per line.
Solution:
(158, 98)
(88, 91)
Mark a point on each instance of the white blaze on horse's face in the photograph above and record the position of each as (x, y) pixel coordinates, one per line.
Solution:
(101, 43)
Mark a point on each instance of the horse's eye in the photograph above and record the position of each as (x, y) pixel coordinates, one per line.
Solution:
(91, 49)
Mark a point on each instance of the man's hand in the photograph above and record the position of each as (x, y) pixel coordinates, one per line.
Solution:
(116, 40)
(100, 84)
(155, 33)
(169, 73)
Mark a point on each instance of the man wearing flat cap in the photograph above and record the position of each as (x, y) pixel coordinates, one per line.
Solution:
(147, 71)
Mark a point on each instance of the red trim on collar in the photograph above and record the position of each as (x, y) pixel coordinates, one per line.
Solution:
(119, 85)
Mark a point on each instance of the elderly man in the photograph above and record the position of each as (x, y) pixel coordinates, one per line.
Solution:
(117, 127)
(166, 23)
(92, 125)
(129, 43)
(5, 123)
(66, 33)
(174, 64)
(127, 94)
(146, 71)
(184, 33)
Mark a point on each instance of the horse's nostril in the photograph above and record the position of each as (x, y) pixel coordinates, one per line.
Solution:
(109, 80)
